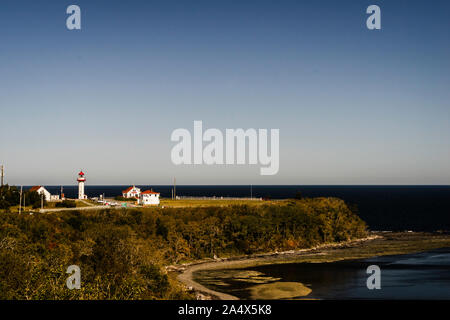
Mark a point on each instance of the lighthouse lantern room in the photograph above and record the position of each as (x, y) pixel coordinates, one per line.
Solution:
(81, 179)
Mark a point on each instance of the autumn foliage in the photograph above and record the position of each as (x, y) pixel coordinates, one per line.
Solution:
(121, 253)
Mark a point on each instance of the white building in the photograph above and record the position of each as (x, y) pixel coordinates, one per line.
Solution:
(81, 180)
(149, 197)
(54, 197)
(42, 191)
(131, 192)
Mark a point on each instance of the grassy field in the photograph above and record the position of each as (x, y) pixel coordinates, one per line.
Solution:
(214, 203)
(79, 204)
(16, 209)
(167, 203)
(52, 205)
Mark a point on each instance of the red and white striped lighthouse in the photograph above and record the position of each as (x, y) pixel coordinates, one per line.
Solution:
(81, 179)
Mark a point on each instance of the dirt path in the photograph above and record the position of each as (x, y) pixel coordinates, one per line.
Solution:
(87, 203)
(93, 207)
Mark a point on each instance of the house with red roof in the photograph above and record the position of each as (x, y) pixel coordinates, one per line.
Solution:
(149, 197)
(42, 191)
(131, 192)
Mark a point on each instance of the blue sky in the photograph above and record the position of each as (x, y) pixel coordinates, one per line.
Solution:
(353, 106)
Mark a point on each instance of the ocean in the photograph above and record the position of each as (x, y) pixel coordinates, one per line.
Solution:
(384, 208)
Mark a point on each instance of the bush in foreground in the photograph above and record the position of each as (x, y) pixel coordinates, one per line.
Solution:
(66, 204)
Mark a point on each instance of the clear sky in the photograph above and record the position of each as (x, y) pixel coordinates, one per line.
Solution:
(353, 106)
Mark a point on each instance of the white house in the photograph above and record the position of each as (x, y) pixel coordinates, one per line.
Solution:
(131, 192)
(149, 197)
(42, 190)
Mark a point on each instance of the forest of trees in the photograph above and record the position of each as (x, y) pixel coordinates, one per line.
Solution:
(121, 253)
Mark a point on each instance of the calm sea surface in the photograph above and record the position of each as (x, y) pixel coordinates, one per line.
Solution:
(413, 276)
(417, 208)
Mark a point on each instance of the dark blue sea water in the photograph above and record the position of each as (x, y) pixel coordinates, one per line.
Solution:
(417, 208)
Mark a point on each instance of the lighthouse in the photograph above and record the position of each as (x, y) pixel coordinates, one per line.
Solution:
(81, 179)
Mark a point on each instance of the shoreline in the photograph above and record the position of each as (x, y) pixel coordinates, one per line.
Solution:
(376, 244)
(187, 270)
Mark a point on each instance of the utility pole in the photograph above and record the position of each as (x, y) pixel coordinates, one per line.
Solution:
(175, 188)
(20, 200)
(42, 200)
(3, 173)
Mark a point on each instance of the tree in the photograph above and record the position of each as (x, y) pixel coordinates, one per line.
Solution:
(9, 196)
(35, 199)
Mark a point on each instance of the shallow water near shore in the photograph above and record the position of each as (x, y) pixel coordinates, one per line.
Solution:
(420, 276)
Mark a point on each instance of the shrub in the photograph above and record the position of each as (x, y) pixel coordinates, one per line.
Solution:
(66, 204)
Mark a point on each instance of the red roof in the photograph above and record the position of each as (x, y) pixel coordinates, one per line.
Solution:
(127, 190)
(149, 192)
(35, 188)
(81, 173)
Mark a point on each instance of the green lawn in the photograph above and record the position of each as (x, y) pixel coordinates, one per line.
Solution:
(211, 203)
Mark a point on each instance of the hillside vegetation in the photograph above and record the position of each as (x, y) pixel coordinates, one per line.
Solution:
(121, 252)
